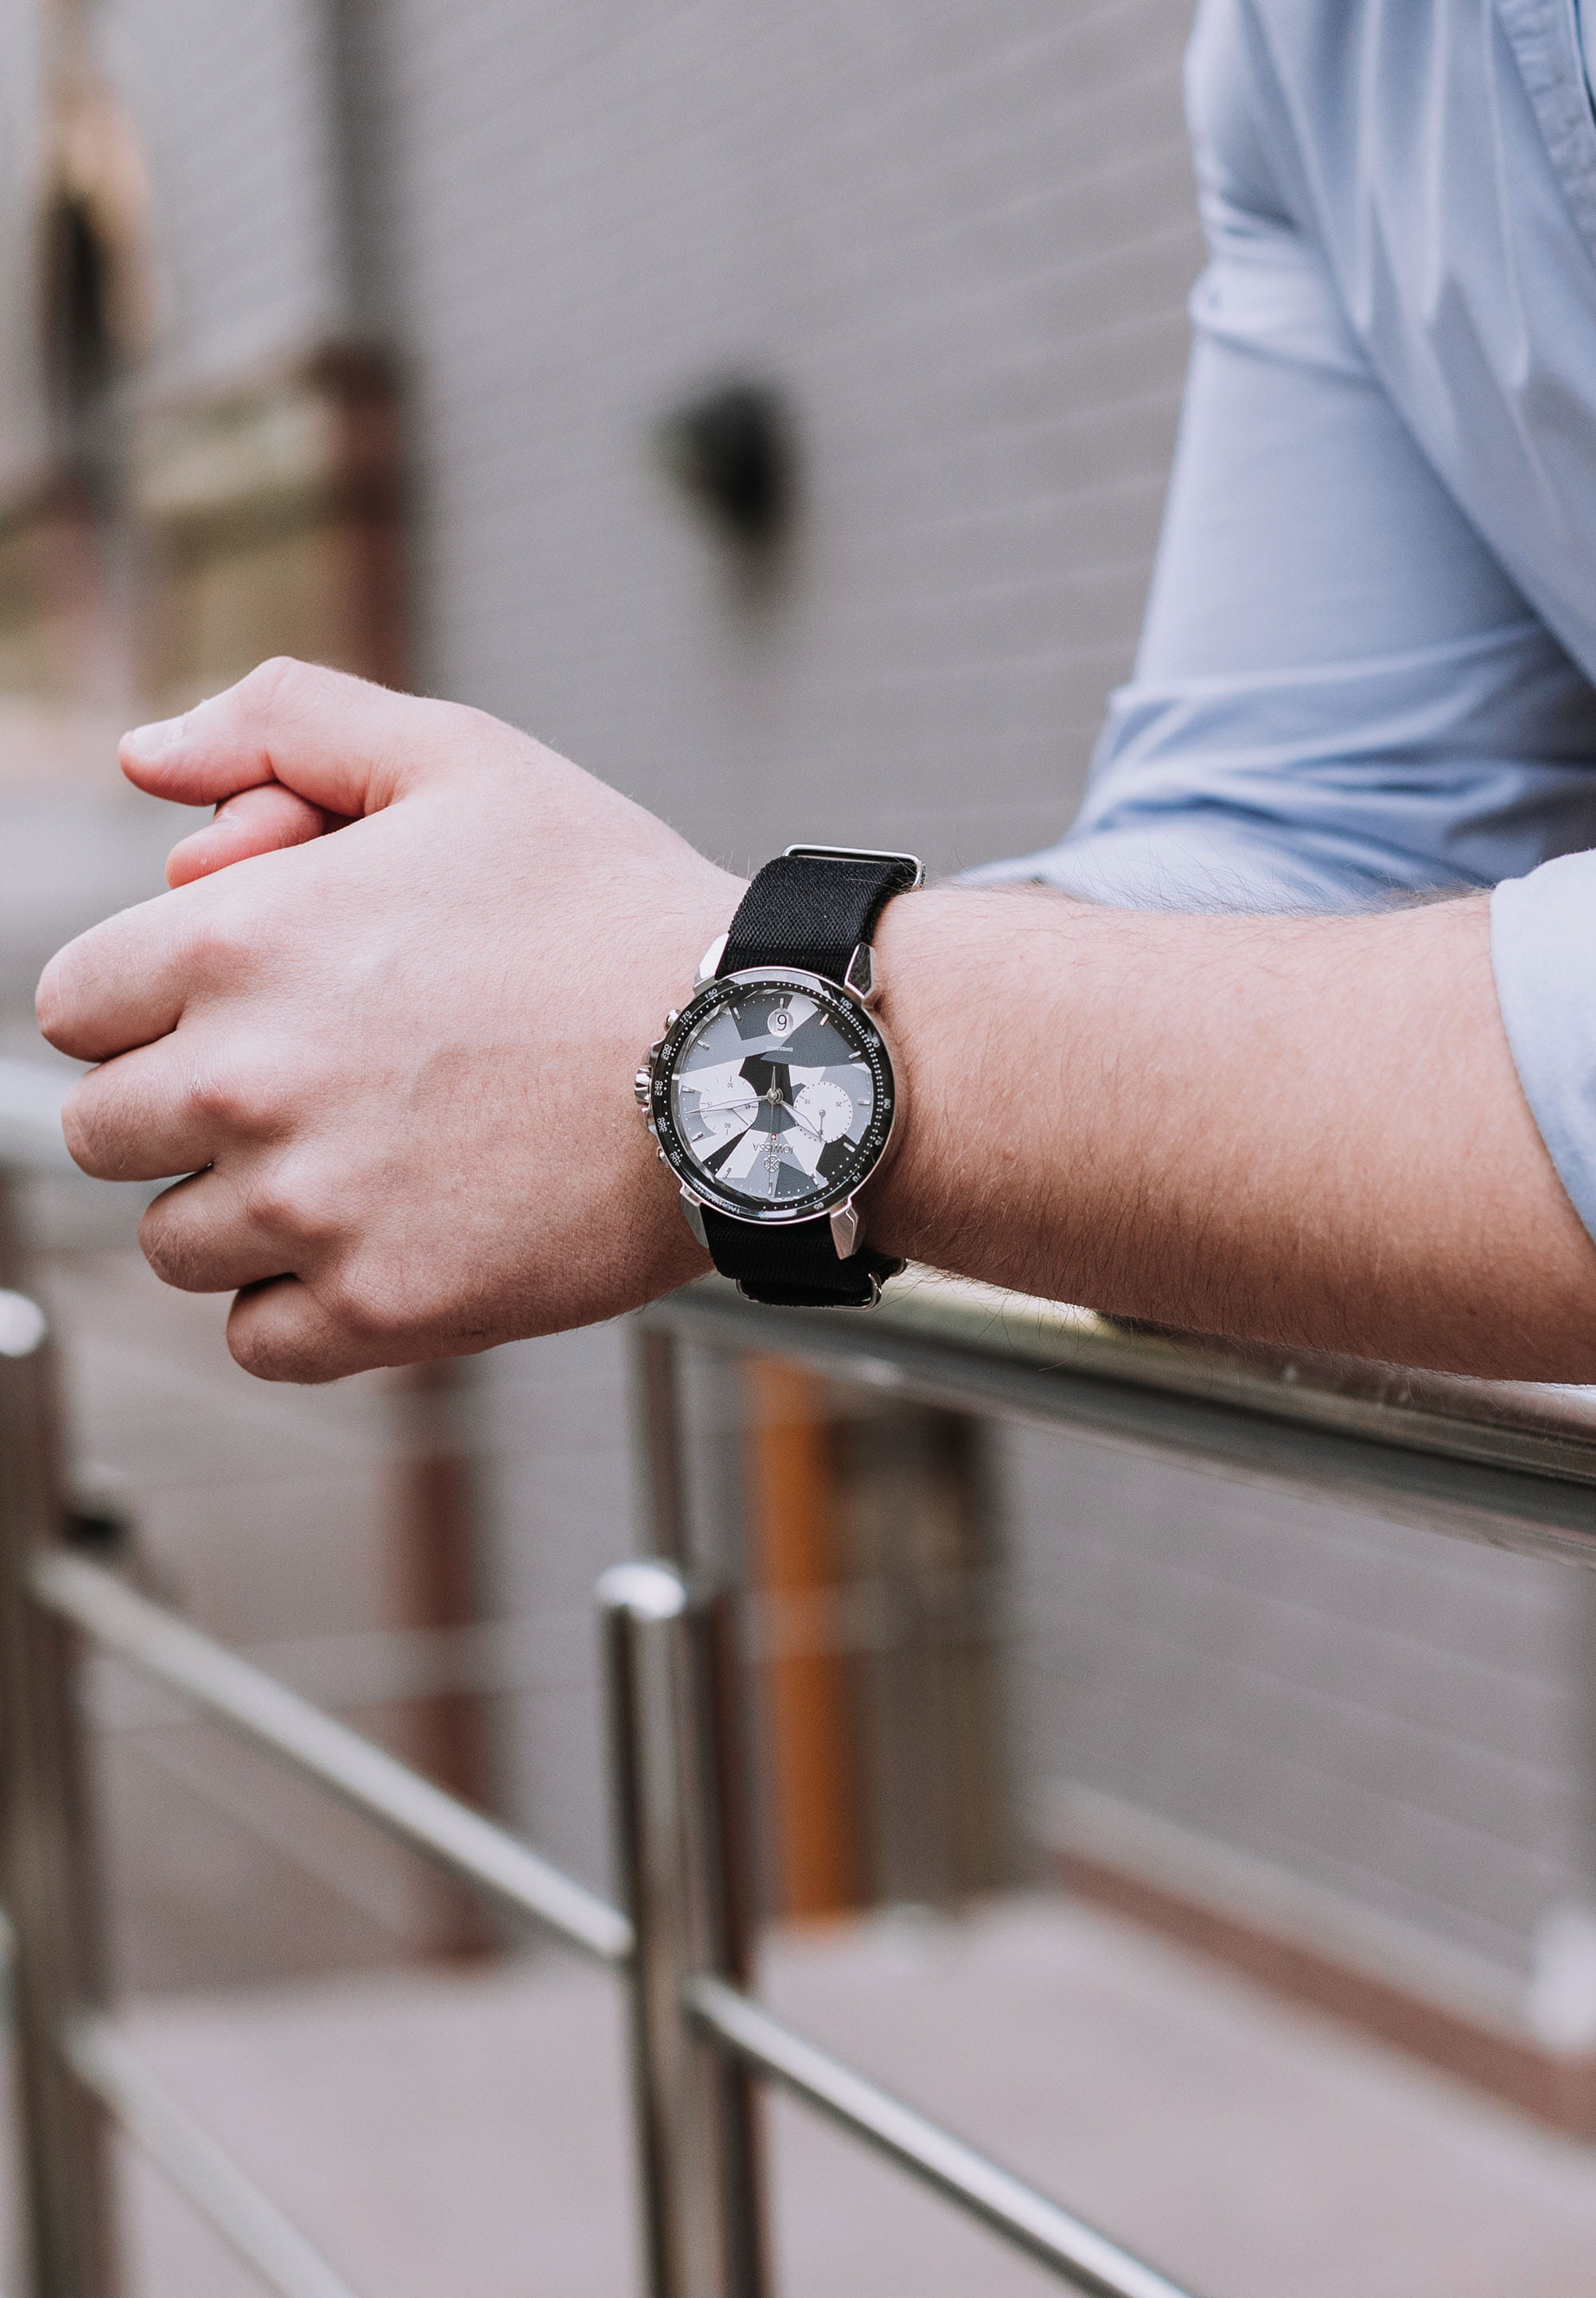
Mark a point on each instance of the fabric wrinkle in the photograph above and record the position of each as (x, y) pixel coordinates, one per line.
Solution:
(1365, 671)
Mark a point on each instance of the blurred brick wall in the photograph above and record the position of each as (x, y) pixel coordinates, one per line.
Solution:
(959, 239)
(239, 128)
(1396, 1722)
(22, 445)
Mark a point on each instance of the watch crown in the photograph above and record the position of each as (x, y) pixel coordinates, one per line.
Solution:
(670, 1018)
(640, 1086)
(660, 1154)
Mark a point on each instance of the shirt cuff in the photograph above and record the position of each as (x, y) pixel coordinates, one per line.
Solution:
(1543, 952)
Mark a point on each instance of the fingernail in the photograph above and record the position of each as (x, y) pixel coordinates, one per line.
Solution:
(150, 741)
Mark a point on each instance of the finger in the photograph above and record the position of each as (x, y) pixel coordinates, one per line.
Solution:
(344, 745)
(281, 1330)
(204, 1235)
(170, 1108)
(117, 985)
(126, 982)
(259, 820)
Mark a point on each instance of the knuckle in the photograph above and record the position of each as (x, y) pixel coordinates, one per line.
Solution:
(287, 1200)
(365, 1308)
(270, 684)
(221, 944)
(230, 1094)
(283, 688)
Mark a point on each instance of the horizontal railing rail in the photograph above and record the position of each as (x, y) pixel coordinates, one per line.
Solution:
(363, 1776)
(249, 1704)
(202, 2171)
(1020, 2213)
(1509, 1463)
(1239, 1405)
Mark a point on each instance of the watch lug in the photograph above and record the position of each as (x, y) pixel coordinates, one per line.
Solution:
(860, 976)
(709, 964)
(692, 1214)
(844, 1231)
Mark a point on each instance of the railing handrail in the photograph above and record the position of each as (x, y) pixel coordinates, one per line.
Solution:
(1511, 1463)
(248, 2219)
(1547, 1427)
(1543, 1431)
(1009, 2205)
(670, 1985)
(254, 1706)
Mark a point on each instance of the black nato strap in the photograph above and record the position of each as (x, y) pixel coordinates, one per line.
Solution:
(796, 1267)
(812, 909)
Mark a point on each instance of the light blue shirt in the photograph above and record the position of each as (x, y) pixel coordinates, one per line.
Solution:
(1368, 664)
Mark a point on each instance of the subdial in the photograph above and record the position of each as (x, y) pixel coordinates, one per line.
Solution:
(717, 1117)
(824, 1108)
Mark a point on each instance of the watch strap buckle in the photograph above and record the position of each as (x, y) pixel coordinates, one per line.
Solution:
(911, 862)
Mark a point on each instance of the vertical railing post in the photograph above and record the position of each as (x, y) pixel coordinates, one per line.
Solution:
(46, 1880)
(657, 1412)
(679, 1831)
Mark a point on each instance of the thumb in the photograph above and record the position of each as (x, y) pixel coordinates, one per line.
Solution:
(340, 744)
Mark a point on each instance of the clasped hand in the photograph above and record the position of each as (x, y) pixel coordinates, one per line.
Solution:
(384, 1027)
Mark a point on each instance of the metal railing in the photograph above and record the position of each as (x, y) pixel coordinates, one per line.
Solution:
(1515, 1467)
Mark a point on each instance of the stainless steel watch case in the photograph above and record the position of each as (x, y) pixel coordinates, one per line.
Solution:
(652, 1086)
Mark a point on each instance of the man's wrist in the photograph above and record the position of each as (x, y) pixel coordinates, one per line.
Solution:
(909, 1204)
(674, 1254)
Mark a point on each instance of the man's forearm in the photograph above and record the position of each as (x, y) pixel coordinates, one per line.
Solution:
(1303, 1130)
(395, 1066)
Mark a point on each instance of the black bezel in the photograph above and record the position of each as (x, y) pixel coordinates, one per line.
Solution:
(843, 1007)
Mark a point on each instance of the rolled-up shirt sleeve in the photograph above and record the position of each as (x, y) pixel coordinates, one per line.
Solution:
(1340, 697)
(1543, 953)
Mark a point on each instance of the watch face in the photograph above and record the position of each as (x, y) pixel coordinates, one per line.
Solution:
(772, 1095)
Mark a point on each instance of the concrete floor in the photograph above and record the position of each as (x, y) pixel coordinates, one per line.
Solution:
(466, 2134)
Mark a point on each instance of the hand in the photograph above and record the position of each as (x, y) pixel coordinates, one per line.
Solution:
(395, 1062)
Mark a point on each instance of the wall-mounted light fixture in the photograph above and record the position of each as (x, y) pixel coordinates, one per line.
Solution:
(730, 453)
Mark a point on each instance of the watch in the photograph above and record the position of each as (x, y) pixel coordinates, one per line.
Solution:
(772, 1093)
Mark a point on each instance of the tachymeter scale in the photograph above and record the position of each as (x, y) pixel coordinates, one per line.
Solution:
(778, 1100)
